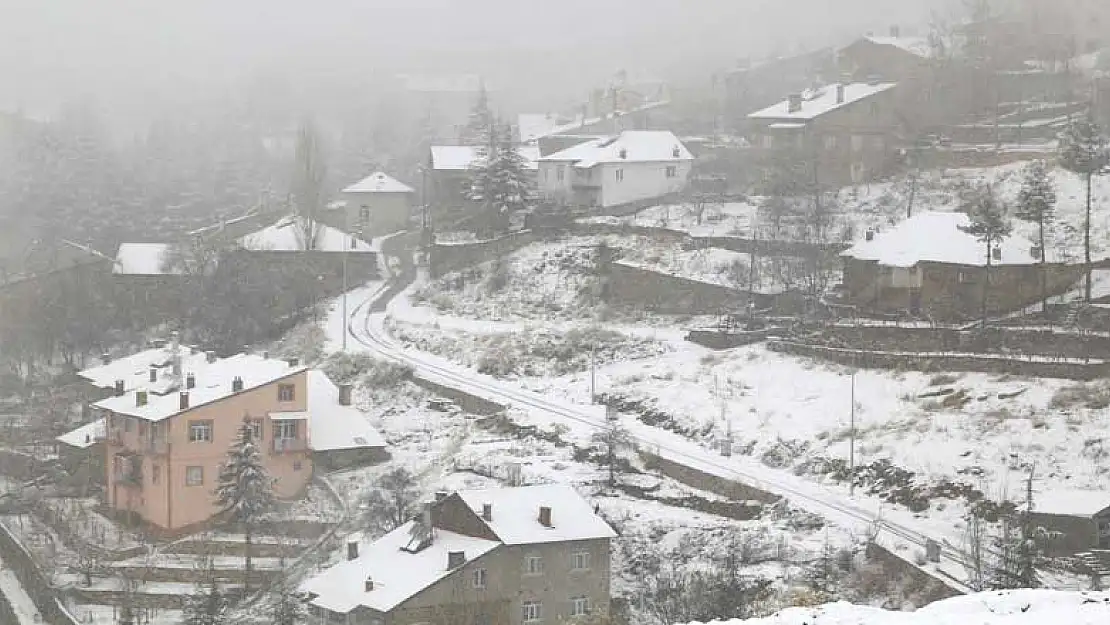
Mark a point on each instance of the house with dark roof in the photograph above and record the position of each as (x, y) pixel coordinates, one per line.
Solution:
(503, 556)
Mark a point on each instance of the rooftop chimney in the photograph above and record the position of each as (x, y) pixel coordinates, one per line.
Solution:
(455, 559)
(895, 31)
(119, 388)
(183, 400)
(1036, 252)
(105, 358)
(293, 362)
(140, 398)
(190, 381)
(426, 516)
(176, 366)
(873, 79)
(794, 103)
(210, 356)
(236, 384)
(624, 153)
(153, 374)
(266, 355)
(352, 546)
(345, 394)
(487, 512)
(840, 93)
(369, 584)
(545, 516)
(869, 236)
(441, 495)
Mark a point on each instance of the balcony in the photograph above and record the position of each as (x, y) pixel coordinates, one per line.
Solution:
(290, 445)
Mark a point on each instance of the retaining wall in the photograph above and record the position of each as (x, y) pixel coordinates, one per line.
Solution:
(1043, 342)
(34, 582)
(667, 294)
(705, 481)
(716, 339)
(926, 587)
(444, 258)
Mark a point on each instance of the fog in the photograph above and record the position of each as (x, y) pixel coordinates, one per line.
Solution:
(140, 59)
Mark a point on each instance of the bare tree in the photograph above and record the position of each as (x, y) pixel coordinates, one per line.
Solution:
(613, 439)
(393, 502)
(309, 178)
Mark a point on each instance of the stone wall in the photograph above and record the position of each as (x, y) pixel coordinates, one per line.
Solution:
(924, 587)
(667, 294)
(716, 339)
(704, 481)
(444, 258)
(943, 362)
(34, 582)
(469, 403)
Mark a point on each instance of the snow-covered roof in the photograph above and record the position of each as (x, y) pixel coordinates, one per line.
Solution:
(213, 383)
(134, 370)
(516, 514)
(84, 436)
(917, 46)
(631, 146)
(817, 102)
(936, 237)
(1080, 503)
(534, 126)
(141, 259)
(379, 182)
(398, 574)
(332, 426)
(287, 235)
(1007, 607)
(464, 157)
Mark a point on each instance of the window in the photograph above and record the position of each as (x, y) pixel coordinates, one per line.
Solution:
(285, 429)
(287, 392)
(560, 173)
(620, 175)
(531, 611)
(533, 565)
(672, 171)
(364, 213)
(874, 107)
(128, 424)
(200, 431)
(579, 606)
(830, 142)
(296, 465)
(580, 561)
(156, 474)
(768, 141)
(479, 578)
(256, 429)
(194, 476)
(546, 175)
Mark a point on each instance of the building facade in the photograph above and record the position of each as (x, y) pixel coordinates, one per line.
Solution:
(374, 206)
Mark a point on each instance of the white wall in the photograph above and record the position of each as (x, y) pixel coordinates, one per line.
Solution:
(642, 181)
(549, 184)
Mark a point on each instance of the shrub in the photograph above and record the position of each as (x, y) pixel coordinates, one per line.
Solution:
(346, 368)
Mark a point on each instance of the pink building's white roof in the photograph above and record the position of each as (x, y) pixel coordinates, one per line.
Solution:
(134, 370)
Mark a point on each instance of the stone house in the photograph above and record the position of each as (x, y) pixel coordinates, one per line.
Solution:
(1076, 521)
(834, 135)
(755, 85)
(374, 206)
(505, 556)
(927, 265)
(450, 171)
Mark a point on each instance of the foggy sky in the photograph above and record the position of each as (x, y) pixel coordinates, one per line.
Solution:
(158, 52)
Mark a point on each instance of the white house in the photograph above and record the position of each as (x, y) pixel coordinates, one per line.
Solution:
(632, 166)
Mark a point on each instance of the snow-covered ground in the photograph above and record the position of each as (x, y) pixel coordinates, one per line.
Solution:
(17, 597)
(1014, 607)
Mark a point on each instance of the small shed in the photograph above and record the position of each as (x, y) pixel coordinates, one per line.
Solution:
(1077, 520)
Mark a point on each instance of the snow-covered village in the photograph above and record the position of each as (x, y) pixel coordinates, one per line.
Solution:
(415, 312)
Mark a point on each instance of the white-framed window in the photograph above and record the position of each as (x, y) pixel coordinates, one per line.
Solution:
(479, 578)
(620, 175)
(531, 611)
(830, 142)
(672, 171)
(580, 560)
(533, 565)
(579, 606)
(256, 429)
(194, 476)
(286, 428)
(287, 392)
(200, 431)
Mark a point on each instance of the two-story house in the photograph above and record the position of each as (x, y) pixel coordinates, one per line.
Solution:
(633, 166)
(506, 556)
(374, 206)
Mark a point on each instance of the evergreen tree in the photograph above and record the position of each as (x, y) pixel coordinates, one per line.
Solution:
(1084, 151)
(480, 123)
(500, 182)
(990, 226)
(206, 606)
(1036, 203)
(288, 610)
(245, 490)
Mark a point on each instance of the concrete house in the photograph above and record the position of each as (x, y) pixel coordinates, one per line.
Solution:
(841, 133)
(505, 556)
(451, 168)
(928, 265)
(1076, 521)
(374, 206)
(166, 436)
(630, 167)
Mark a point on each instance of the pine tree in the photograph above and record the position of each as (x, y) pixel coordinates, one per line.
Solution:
(245, 490)
(1084, 151)
(480, 122)
(500, 181)
(1036, 203)
(288, 610)
(990, 226)
(206, 606)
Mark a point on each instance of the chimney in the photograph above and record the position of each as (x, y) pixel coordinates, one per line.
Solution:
(119, 388)
(455, 559)
(426, 516)
(840, 93)
(183, 400)
(870, 235)
(345, 394)
(293, 362)
(140, 398)
(190, 381)
(996, 253)
(369, 584)
(873, 79)
(176, 366)
(676, 152)
(352, 546)
(266, 355)
(624, 153)
(1036, 252)
(794, 103)
(441, 495)
(105, 358)
(236, 384)
(545, 516)
(895, 31)
(487, 512)
(210, 356)
(153, 374)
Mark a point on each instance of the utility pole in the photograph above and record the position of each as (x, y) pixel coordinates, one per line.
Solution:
(346, 226)
(593, 374)
(852, 441)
